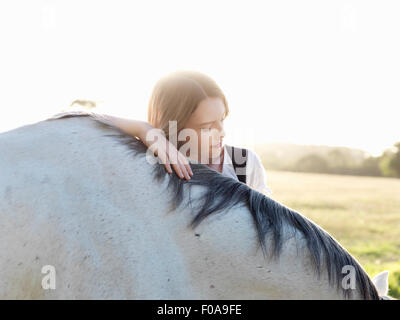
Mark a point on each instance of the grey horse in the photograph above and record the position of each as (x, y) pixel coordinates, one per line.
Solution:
(84, 214)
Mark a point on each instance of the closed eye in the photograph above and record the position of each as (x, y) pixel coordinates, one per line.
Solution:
(208, 128)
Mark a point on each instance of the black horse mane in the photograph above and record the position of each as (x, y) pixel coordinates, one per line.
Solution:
(269, 216)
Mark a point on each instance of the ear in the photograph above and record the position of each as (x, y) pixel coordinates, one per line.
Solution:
(381, 283)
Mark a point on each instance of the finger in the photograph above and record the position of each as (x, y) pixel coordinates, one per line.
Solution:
(184, 170)
(189, 169)
(177, 170)
(172, 153)
(186, 163)
(167, 166)
(174, 156)
(182, 167)
(164, 159)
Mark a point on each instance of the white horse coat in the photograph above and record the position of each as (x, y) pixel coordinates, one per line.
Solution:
(85, 205)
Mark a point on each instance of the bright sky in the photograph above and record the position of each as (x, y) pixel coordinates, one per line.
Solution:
(307, 72)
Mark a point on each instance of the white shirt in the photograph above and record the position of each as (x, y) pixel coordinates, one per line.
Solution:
(255, 172)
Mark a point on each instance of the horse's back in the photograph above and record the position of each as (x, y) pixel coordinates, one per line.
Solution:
(72, 200)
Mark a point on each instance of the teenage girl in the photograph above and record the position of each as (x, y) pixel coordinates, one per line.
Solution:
(192, 101)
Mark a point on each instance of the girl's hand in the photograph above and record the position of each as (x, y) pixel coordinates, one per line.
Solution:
(166, 151)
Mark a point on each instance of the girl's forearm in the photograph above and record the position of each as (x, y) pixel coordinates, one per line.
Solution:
(135, 128)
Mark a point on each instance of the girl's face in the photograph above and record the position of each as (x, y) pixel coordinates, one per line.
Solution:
(207, 122)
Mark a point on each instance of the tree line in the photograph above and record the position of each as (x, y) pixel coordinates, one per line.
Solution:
(323, 159)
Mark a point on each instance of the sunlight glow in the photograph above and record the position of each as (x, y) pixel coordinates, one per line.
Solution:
(306, 72)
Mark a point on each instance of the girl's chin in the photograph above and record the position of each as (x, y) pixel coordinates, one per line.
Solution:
(218, 146)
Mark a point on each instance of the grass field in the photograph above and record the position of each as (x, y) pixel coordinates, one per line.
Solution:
(362, 213)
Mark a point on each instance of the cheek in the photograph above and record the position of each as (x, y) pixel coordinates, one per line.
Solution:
(206, 140)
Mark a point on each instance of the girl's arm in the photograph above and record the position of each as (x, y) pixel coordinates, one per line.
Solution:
(135, 128)
(162, 147)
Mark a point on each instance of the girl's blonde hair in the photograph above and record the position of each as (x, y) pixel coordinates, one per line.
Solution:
(176, 96)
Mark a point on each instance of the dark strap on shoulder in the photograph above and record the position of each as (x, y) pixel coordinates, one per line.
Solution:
(239, 161)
